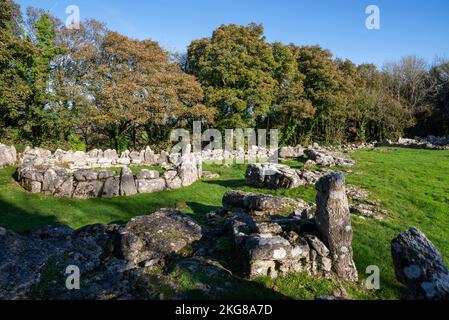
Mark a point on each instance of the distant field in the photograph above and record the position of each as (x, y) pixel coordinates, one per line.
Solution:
(412, 184)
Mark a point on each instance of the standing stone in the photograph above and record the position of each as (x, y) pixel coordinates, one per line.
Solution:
(127, 183)
(188, 170)
(333, 221)
(420, 266)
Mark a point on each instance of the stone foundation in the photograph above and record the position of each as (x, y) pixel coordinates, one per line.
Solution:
(278, 176)
(275, 236)
(91, 183)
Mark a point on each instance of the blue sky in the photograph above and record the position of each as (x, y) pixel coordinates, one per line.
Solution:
(407, 27)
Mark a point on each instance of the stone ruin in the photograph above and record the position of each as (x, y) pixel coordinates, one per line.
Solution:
(119, 259)
(38, 176)
(8, 156)
(279, 176)
(324, 157)
(275, 236)
(420, 267)
(429, 142)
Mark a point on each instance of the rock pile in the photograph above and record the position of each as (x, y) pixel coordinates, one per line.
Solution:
(278, 176)
(323, 157)
(291, 152)
(115, 261)
(8, 156)
(419, 266)
(276, 236)
(91, 183)
(430, 142)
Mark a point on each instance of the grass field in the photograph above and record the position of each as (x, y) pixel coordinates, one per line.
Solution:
(412, 184)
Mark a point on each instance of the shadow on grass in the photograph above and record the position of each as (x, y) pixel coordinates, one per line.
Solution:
(20, 220)
(234, 183)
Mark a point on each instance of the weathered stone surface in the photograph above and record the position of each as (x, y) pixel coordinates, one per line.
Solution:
(420, 266)
(158, 235)
(189, 170)
(85, 175)
(273, 244)
(151, 185)
(291, 152)
(88, 189)
(326, 158)
(111, 187)
(32, 185)
(262, 203)
(8, 156)
(21, 258)
(103, 175)
(274, 176)
(127, 183)
(333, 221)
(65, 189)
(147, 174)
(53, 179)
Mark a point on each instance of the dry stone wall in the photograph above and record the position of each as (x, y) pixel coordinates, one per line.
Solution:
(430, 142)
(38, 175)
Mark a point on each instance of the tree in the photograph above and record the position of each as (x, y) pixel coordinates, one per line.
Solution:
(438, 122)
(408, 80)
(16, 57)
(290, 107)
(328, 90)
(234, 67)
(136, 87)
(42, 123)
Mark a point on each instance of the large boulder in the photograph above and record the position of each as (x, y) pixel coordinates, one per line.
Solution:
(172, 180)
(21, 259)
(326, 158)
(8, 156)
(149, 239)
(291, 152)
(150, 185)
(333, 220)
(262, 203)
(189, 170)
(88, 189)
(273, 176)
(420, 266)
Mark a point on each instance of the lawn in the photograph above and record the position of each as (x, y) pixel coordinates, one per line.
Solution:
(412, 184)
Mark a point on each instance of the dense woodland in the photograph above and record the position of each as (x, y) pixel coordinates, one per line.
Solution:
(94, 87)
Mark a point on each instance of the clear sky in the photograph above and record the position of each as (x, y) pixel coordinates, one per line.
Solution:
(418, 27)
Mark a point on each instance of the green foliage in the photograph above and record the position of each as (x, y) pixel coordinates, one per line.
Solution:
(234, 67)
(76, 143)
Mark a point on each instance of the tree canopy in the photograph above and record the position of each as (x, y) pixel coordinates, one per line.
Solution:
(93, 87)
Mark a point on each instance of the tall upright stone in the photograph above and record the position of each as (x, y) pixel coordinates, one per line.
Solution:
(333, 221)
(127, 183)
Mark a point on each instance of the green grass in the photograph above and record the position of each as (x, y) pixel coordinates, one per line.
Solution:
(412, 184)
